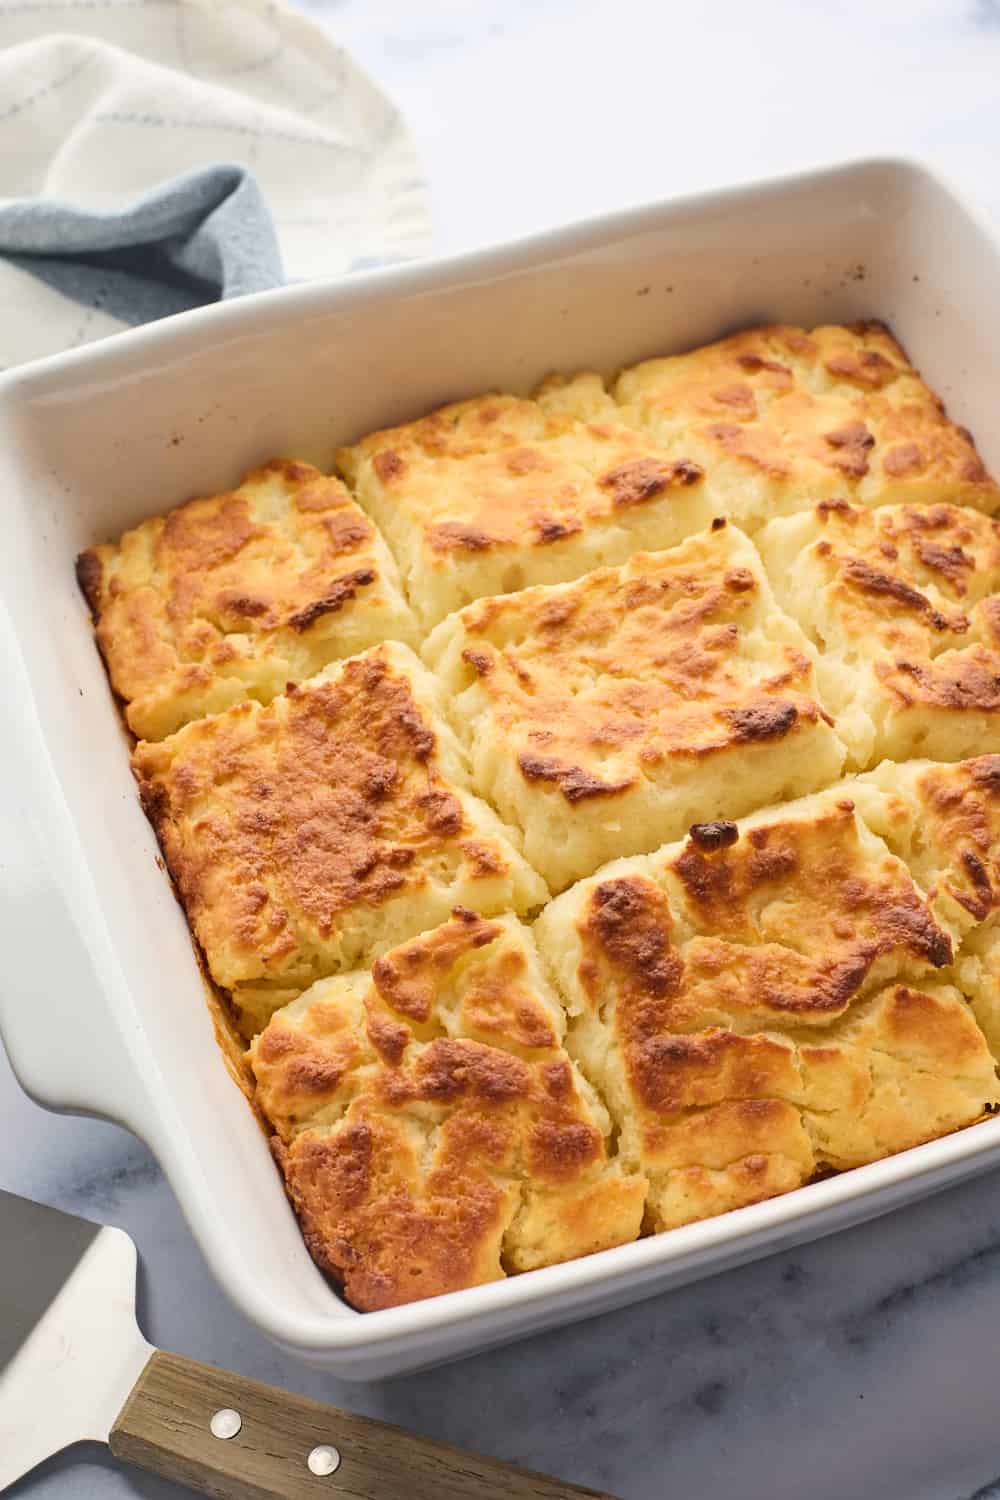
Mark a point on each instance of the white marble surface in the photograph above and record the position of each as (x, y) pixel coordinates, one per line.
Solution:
(862, 1366)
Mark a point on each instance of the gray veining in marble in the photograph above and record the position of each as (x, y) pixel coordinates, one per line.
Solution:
(862, 1366)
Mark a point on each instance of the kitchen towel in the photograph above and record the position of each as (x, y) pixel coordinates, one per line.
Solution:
(155, 154)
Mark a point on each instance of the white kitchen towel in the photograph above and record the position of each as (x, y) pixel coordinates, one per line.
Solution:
(102, 101)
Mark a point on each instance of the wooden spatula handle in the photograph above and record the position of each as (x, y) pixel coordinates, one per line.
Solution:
(165, 1426)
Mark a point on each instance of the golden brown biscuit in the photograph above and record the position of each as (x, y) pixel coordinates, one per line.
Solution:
(944, 820)
(762, 1002)
(236, 595)
(902, 604)
(780, 418)
(605, 716)
(310, 835)
(493, 494)
(432, 1131)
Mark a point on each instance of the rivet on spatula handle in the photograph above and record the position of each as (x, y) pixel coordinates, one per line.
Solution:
(239, 1440)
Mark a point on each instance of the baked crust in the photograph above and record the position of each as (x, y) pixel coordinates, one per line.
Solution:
(779, 418)
(902, 605)
(233, 596)
(604, 716)
(306, 836)
(944, 820)
(432, 1131)
(490, 495)
(764, 1002)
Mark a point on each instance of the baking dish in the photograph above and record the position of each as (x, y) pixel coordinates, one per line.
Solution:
(103, 1008)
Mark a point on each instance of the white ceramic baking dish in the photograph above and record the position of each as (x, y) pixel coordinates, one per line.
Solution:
(103, 1009)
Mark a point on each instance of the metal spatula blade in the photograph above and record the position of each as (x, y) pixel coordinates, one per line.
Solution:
(70, 1349)
(74, 1365)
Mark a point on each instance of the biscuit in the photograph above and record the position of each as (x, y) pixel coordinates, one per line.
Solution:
(233, 596)
(902, 605)
(944, 820)
(432, 1131)
(779, 418)
(307, 836)
(495, 494)
(605, 716)
(763, 1002)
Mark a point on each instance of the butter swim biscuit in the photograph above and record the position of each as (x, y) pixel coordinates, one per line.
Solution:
(233, 596)
(606, 715)
(307, 836)
(432, 1130)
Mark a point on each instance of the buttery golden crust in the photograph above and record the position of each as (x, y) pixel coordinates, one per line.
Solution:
(307, 836)
(489, 495)
(944, 820)
(903, 605)
(233, 596)
(604, 716)
(432, 1131)
(779, 418)
(763, 1002)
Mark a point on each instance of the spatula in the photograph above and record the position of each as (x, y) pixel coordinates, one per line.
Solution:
(74, 1365)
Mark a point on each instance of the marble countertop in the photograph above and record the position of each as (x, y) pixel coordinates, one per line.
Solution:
(860, 1366)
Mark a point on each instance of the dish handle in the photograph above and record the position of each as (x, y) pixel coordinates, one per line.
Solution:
(56, 1019)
